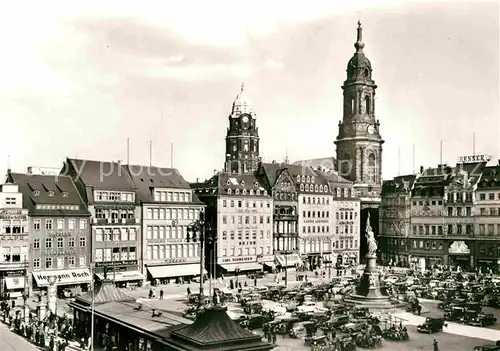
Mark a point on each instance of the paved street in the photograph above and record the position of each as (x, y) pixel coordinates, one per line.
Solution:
(10, 341)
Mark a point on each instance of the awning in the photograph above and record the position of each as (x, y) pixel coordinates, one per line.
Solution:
(14, 283)
(290, 260)
(353, 255)
(123, 276)
(270, 264)
(63, 277)
(177, 270)
(249, 266)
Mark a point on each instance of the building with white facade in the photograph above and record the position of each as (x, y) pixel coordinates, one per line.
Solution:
(169, 206)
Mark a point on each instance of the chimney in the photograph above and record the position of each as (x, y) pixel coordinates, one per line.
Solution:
(29, 170)
(197, 180)
(421, 169)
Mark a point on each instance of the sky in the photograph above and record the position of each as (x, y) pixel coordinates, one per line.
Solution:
(79, 78)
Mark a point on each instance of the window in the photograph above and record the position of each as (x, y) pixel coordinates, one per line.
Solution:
(82, 261)
(71, 262)
(99, 234)
(60, 224)
(371, 167)
(48, 262)
(10, 200)
(36, 263)
(482, 196)
(131, 234)
(71, 224)
(82, 224)
(491, 196)
(71, 241)
(48, 243)
(60, 262)
(36, 243)
(36, 224)
(48, 224)
(82, 241)
(60, 243)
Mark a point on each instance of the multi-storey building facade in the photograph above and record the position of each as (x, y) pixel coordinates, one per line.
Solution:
(169, 206)
(346, 209)
(316, 237)
(14, 244)
(59, 238)
(110, 195)
(281, 184)
(395, 220)
(242, 140)
(241, 212)
(487, 224)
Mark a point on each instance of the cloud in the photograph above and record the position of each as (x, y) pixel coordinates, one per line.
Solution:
(270, 63)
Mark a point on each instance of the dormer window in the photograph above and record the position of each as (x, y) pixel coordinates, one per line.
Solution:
(298, 178)
(242, 183)
(51, 193)
(303, 179)
(36, 192)
(338, 192)
(312, 179)
(308, 179)
(237, 191)
(307, 187)
(228, 182)
(265, 192)
(315, 188)
(301, 187)
(251, 192)
(256, 184)
(244, 191)
(229, 191)
(321, 188)
(64, 194)
(258, 192)
(346, 193)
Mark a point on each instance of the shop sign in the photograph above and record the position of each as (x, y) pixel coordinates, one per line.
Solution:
(68, 252)
(116, 263)
(165, 241)
(459, 247)
(13, 214)
(14, 273)
(474, 158)
(176, 260)
(239, 259)
(59, 233)
(14, 237)
(64, 277)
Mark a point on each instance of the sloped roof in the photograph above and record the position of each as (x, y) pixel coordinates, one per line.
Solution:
(106, 292)
(490, 178)
(473, 170)
(145, 178)
(63, 197)
(399, 184)
(221, 182)
(214, 330)
(324, 162)
(102, 175)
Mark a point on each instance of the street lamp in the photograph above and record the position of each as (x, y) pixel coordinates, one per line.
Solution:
(200, 230)
(286, 253)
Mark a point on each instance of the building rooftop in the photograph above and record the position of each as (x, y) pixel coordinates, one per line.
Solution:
(490, 178)
(239, 184)
(49, 195)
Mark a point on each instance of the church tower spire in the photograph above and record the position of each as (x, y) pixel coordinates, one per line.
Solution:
(242, 139)
(359, 143)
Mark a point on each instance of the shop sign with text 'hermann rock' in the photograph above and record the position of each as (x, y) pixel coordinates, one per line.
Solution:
(63, 277)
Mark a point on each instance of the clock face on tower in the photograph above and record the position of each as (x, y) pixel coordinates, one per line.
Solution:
(245, 119)
(370, 130)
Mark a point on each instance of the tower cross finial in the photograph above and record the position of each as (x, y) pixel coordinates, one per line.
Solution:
(242, 86)
(359, 45)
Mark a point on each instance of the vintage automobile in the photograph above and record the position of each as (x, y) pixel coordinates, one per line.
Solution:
(456, 314)
(489, 347)
(253, 321)
(432, 325)
(480, 319)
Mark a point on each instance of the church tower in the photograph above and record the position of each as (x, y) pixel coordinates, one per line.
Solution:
(242, 140)
(359, 143)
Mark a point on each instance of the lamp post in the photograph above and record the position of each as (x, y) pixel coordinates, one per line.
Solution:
(200, 230)
(286, 253)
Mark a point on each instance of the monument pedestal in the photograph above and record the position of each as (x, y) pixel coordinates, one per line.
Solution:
(370, 293)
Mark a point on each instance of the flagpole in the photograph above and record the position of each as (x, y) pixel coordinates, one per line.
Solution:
(92, 313)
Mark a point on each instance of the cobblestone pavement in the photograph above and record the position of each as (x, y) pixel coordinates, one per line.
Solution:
(10, 341)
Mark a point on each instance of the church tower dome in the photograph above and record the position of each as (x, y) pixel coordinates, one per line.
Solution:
(359, 143)
(241, 104)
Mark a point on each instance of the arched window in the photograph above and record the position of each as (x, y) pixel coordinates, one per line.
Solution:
(352, 105)
(321, 188)
(265, 192)
(303, 179)
(312, 179)
(301, 187)
(315, 188)
(244, 191)
(345, 165)
(368, 104)
(307, 187)
(308, 179)
(346, 192)
(325, 189)
(251, 191)
(298, 179)
(258, 192)
(229, 191)
(371, 168)
(338, 192)
(237, 191)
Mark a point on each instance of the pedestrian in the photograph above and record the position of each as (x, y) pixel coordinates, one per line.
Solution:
(161, 294)
(13, 303)
(274, 337)
(255, 282)
(188, 291)
(435, 345)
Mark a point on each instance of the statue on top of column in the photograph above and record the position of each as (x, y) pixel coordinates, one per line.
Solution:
(370, 238)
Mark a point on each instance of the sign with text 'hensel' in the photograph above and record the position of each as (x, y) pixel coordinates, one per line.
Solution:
(474, 158)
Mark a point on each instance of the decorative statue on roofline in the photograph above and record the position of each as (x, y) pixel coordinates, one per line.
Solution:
(370, 239)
